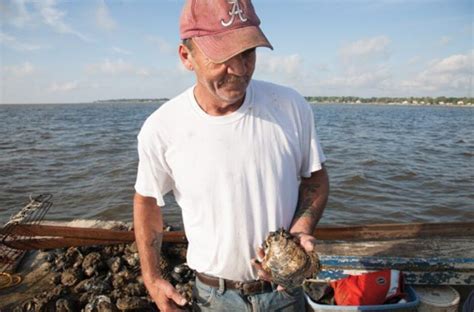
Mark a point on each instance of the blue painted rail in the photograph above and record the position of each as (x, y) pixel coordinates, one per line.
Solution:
(435, 261)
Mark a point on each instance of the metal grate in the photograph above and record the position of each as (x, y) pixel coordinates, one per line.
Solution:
(32, 213)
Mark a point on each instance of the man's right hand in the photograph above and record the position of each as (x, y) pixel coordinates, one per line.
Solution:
(165, 296)
(148, 226)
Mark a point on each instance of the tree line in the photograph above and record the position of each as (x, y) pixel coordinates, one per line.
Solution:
(393, 100)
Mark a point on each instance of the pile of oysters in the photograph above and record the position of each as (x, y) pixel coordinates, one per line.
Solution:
(98, 278)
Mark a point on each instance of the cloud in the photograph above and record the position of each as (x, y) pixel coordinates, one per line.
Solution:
(163, 45)
(414, 60)
(54, 18)
(13, 43)
(284, 64)
(121, 51)
(117, 67)
(63, 87)
(376, 78)
(103, 18)
(323, 67)
(15, 13)
(363, 65)
(453, 73)
(370, 49)
(21, 70)
(445, 40)
(456, 64)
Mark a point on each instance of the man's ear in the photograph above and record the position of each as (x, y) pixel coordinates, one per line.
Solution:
(185, 56)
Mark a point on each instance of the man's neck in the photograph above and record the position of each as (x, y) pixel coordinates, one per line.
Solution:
(214, 107)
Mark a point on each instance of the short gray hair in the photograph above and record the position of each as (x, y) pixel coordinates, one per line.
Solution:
(188, 43)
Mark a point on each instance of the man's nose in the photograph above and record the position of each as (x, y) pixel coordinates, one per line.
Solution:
(237, 65)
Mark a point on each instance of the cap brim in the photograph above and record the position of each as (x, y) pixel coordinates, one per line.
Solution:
(221, 47)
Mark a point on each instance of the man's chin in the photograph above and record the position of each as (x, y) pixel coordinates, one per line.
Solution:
(234, 94)
(232, 98)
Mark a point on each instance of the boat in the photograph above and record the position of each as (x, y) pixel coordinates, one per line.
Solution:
(426, 253)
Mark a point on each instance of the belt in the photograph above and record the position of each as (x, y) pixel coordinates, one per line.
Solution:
(245, 288)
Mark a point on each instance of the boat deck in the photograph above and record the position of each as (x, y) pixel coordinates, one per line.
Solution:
(424, 261)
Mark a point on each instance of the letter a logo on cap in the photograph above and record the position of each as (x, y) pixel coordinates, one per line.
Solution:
(235, 10)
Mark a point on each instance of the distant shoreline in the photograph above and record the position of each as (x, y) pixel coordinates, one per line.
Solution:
(417, 101)
(132, 100)
(392, 104)
(426, 101)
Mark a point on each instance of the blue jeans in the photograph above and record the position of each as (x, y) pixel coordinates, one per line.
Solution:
(209, 298)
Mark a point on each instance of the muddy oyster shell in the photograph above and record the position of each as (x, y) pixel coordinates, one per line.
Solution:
(132, 303)
(100, 304)
(92, 263)
(183, 280)
(64, 305)
(114, 264)
(70, 277)
(286, 261)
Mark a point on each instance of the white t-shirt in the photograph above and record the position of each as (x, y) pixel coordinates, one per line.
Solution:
(235, 177)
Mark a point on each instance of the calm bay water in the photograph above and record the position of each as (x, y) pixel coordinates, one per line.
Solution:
(386, 163)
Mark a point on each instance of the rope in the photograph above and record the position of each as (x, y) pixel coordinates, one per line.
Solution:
(9, 280)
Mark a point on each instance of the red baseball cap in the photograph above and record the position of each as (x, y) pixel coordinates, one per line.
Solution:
(222, 29)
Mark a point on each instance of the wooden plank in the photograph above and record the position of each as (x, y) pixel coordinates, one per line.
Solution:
(353, 233)
(53, 243)
(462, 247)
(73, 235)
(394, 231)
(72, 232)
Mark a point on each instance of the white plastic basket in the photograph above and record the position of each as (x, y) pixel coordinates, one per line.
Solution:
(409, 306)
(437, 298)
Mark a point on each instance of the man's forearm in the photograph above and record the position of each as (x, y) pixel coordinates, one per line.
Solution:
(313, 196)
(148, 227)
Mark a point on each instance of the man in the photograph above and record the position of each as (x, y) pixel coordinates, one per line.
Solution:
(242, 159)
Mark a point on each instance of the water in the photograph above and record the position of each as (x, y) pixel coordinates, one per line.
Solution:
(386, 163)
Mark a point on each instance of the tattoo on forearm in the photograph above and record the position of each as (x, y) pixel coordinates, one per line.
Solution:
(156, 244)
(306, 213)
(306, 201)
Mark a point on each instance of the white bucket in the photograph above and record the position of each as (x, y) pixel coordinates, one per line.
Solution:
(437, 298)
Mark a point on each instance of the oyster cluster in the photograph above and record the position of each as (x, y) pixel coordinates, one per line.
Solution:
(98, 278)
(287, 261)
(92, 279)
(183, 279)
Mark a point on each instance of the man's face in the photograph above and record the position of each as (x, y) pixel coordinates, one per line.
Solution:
(223, 84)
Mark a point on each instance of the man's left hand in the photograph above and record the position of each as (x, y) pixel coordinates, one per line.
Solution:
(307, 241)
(257, 264)
(262, 274)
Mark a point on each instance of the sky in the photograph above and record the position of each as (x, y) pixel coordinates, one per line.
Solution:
(72, 51)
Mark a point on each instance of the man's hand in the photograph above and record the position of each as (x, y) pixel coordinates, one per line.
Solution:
(306, 241)
(257, 264)
(262, 274)
(148, 227)
(165, 295)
